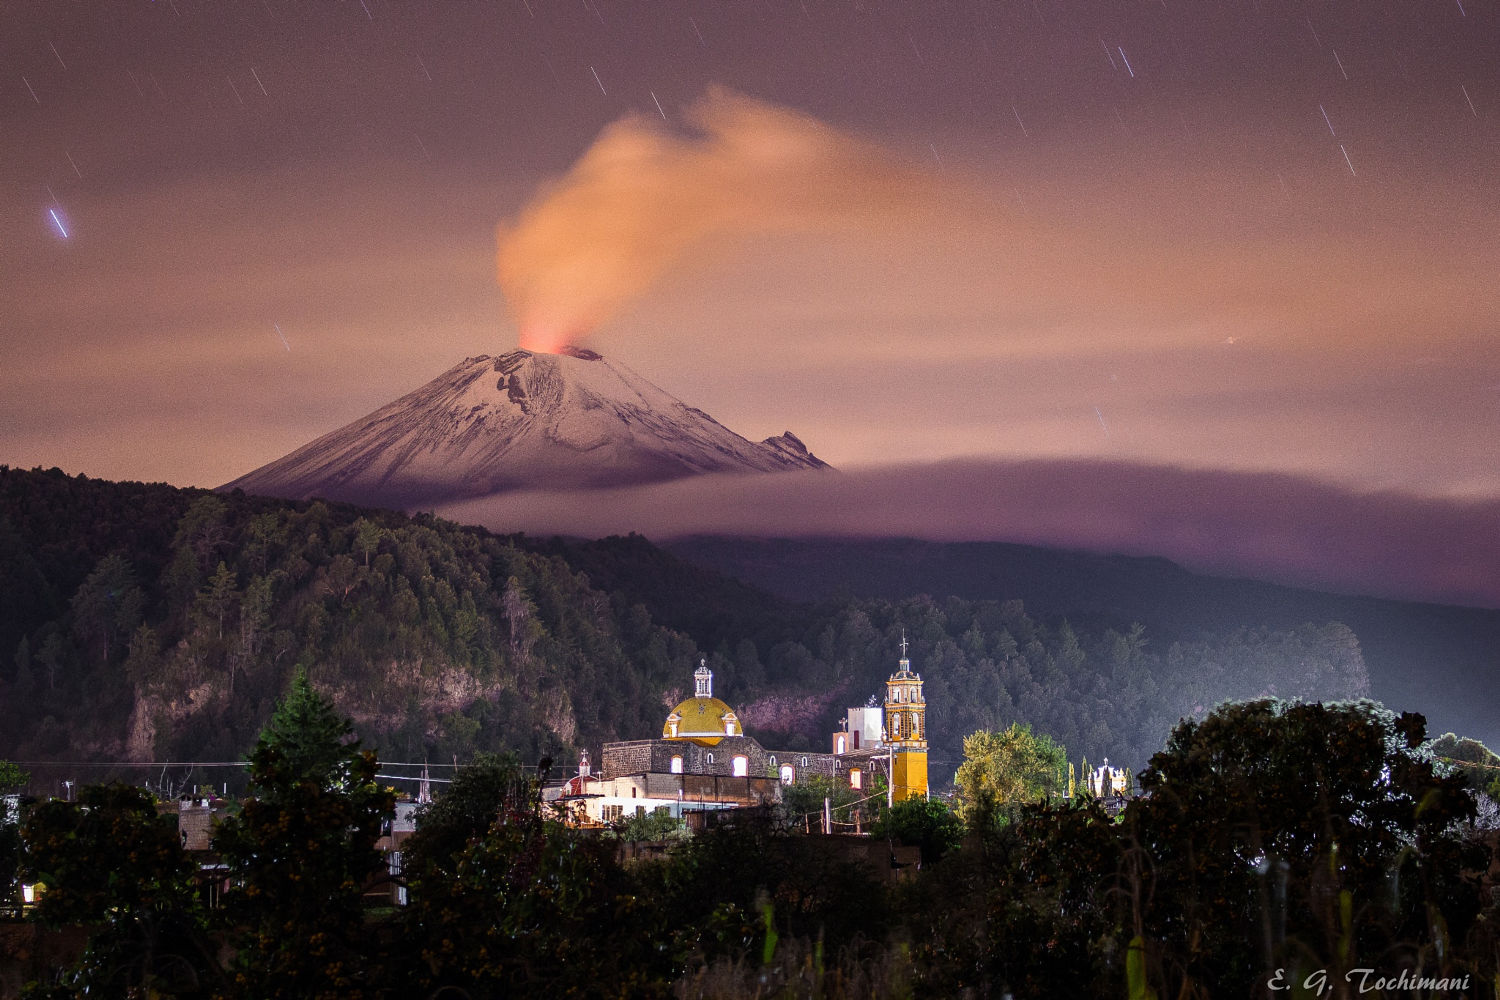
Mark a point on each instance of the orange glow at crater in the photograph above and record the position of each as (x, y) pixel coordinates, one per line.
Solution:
(541, 341)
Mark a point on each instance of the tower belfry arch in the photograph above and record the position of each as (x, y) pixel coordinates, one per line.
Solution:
(906, 730)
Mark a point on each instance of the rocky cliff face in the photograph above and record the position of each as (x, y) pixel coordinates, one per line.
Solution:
(521, 420)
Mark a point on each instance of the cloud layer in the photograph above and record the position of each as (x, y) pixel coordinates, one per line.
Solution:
(1275, 527)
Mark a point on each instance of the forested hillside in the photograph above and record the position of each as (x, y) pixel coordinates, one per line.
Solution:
(152, 623)
(163, 623)
(1428, 656)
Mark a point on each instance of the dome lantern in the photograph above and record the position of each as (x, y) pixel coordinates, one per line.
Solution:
(703, 680)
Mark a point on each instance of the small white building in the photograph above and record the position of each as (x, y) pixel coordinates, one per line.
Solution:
(864, 729)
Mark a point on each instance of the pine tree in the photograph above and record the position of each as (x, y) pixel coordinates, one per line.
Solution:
(305, 739)
(108, 604)
(301, 850)
(217, 598)
(367, 537)
(518, 609)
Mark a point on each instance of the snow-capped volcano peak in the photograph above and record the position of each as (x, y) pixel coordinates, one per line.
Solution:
(522, 420)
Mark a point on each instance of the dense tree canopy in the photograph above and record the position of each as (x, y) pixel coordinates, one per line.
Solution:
(1479, 765)
(1299, 837)
(1275, 836)
(1009, 768)
(926, 823)
(1305, 811)
(487, 788)
(150, 623)
(111, 862)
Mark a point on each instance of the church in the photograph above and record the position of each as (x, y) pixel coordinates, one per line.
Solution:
(704, 762)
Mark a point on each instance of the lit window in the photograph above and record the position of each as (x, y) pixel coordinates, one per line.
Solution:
(856, 779)
(839, 745)
(787, 774)
(676, 765)
(741, 766)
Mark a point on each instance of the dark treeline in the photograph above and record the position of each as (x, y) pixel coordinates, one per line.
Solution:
(1277, 847)
(1417, 654)
(145, 622)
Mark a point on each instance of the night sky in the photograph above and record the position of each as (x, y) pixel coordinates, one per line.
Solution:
(1244, 250)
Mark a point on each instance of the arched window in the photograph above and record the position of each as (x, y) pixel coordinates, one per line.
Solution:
(772, 760)
(676, 765)
(741, 766)
(856, 778)
(839, 744)
(787, 774)
(804, 761)
(710, 758)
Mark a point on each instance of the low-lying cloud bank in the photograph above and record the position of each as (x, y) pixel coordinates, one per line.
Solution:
(1273, 527)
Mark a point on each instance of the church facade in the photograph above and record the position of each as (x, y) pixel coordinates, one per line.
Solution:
(703, 761)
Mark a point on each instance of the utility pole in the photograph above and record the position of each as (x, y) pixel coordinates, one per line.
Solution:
(890, 766)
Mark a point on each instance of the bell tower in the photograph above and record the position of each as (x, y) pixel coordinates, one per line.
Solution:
(906, 731)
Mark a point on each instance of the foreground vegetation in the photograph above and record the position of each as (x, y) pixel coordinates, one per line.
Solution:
(1274, 841)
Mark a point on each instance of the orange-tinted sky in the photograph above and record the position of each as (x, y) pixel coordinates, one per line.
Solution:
(1214, 235)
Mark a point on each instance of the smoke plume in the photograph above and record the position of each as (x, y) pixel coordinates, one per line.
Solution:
(642, 196)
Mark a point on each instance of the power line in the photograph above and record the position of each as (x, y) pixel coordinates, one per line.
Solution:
(131, 763)
(215, 763)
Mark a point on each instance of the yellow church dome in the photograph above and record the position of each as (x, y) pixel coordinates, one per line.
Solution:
(702, 718)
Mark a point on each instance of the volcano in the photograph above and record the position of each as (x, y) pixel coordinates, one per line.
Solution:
(522, 420)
